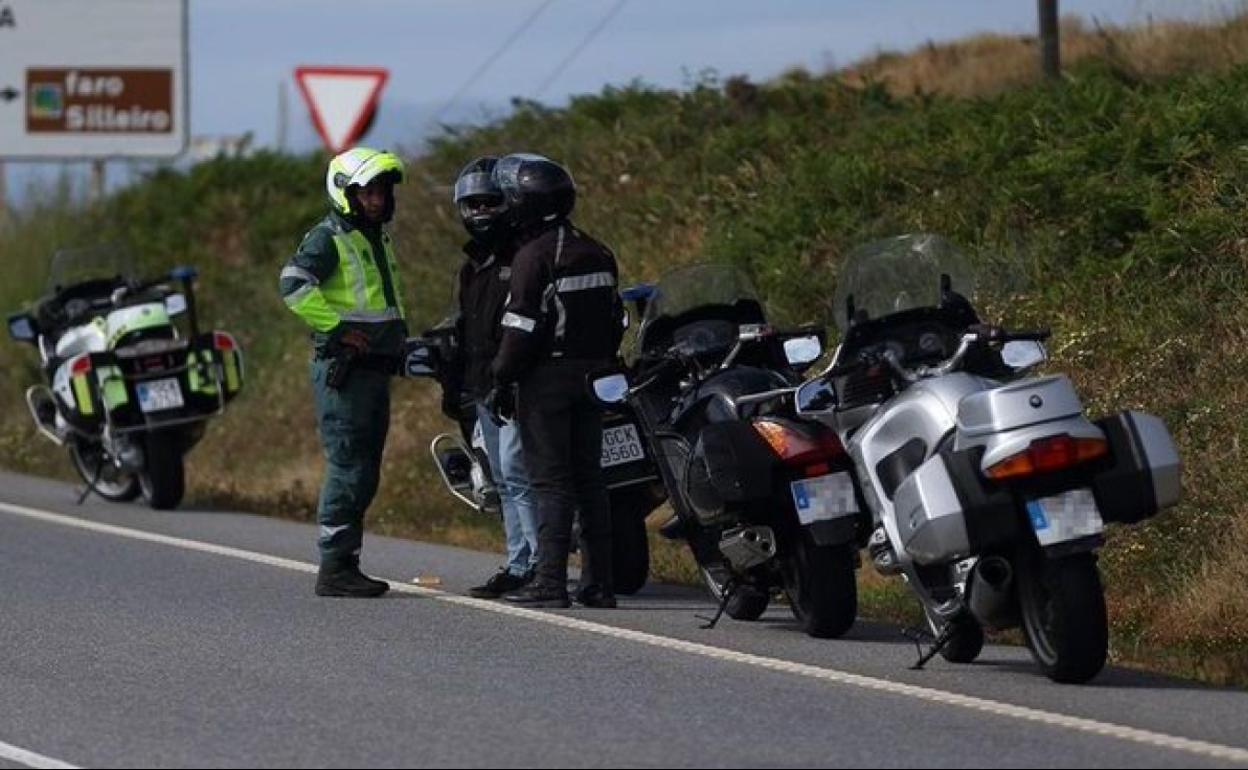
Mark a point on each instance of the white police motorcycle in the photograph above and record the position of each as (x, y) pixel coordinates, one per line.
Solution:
(989, 489)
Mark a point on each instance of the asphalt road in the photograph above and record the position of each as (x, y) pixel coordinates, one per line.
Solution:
(131, 638)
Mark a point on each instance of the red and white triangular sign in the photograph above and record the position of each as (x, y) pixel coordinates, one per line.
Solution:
(341, 100)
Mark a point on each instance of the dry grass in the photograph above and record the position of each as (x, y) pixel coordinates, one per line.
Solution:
(990, 64)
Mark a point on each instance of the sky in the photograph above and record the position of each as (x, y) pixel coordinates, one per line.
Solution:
(243, 52)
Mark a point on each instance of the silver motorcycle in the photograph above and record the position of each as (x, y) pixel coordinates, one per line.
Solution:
(989, 489)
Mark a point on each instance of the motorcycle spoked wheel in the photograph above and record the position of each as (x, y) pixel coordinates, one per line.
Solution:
(163, 479)
(1064, 618)
(98, 471)
(822, 588)
(747, 602)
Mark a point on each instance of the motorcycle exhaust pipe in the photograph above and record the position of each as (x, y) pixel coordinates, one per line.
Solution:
(989, 589)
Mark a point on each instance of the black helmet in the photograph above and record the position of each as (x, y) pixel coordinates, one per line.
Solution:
(536, 189)
(478, 198)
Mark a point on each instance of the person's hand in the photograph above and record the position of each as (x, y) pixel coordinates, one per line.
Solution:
(452, 403)
(355, 340)
(500, 402)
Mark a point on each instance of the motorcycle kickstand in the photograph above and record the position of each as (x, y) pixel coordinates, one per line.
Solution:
(99, 471)
(939, 643)
(730, 590)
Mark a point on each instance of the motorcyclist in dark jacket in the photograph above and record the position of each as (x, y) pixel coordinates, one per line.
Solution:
(483, 289)
(564, 321)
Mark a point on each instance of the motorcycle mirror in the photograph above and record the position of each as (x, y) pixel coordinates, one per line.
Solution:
(800, 351)
(610, 389)
(815, 397)
(1021, 355)
(175, 304)
(22, 327)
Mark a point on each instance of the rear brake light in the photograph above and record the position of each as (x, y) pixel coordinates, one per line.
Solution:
(1048, 455)
(80, 365)
(796, 447)
(223, 342)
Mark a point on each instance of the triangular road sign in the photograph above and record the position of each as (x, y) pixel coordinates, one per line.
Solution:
(342, 100)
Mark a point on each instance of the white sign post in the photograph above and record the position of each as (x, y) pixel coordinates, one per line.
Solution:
(93, 79)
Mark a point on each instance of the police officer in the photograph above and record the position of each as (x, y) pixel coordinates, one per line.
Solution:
(563, 321)
(483, 288)
(343, 281)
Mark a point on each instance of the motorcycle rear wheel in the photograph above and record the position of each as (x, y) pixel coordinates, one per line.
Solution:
(163, 480)
(1064, 618)
(630, 545)
(822, 587)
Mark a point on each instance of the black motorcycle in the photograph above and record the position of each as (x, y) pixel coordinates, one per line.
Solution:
(764, 499)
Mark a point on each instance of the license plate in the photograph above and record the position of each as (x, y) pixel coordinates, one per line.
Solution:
(159, 395)
(620, 445)
(1065, 517)
(824, 498)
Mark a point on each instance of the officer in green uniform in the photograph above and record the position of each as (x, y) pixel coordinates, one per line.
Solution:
(344, 283)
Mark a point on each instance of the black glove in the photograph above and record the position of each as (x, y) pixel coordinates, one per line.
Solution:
(500, 402)
(453, 403)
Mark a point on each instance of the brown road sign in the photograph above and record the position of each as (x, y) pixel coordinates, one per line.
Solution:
(96, 100)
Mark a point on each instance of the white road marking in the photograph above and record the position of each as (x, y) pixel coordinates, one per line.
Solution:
(984, 705)
(31, 759)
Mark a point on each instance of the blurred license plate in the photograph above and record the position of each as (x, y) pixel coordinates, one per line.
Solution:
(1065, 517)
(159, 395)
(824, 497)
(621, 444)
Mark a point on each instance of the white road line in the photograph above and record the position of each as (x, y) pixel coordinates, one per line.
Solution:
(31, 759)
(983, 705)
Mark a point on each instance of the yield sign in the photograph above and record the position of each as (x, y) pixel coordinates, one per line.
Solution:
(342, 100)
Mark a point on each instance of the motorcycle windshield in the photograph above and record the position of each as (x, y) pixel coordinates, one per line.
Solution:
(697, 287)
(899, 274)
(107, 262)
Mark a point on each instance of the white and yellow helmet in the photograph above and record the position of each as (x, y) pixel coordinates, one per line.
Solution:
(359, 165)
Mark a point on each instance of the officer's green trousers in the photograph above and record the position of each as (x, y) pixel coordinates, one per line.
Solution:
(353, 422)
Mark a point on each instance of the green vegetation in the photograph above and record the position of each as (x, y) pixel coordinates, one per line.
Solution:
(1110, 207)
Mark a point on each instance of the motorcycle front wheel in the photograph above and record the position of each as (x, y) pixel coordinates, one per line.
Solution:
(100, 474)
(1064, 618)
(747, 602)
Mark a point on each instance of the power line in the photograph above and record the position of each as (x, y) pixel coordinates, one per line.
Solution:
(589, 38)
(489, 62)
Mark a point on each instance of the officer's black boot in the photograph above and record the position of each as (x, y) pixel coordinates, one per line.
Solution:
(342, 577)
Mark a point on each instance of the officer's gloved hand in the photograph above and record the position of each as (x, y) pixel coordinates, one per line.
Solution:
(355, 341)
(500, 402)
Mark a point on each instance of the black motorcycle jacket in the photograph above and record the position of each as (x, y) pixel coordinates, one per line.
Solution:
(483, 288)
(565, 302)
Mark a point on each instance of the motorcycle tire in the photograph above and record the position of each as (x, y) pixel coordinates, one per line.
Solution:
(967, 641)
(747, 602)
(163, 480)
(86, 459)
(1064, 618)
(822, 587)
(630, 547)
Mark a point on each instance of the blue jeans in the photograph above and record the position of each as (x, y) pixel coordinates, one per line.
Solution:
(502, 445)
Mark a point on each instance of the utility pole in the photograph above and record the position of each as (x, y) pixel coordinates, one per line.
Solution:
(4, 201)
(95, 192)
(1050, 39)
(283, 115)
